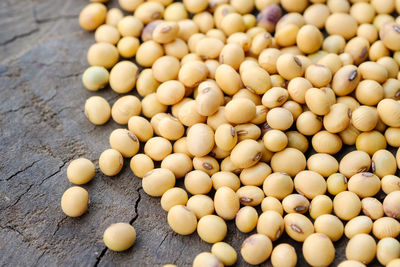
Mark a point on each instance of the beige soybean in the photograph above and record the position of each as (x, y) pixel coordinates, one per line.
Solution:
(346, 205)
(349, 136)
(386, 227)
(383, 163)
(389, 112)
(275, 140)
(279, 161)
(298, 226)
(110, 162)
(165, 32)
(188, 114)
(192, 73)
(391, 88)
(170, 128)
(225, 178)
(361, 247)
(94, 78)
(289, 66)
(140, 127)
(275, 97)
(345, 80)
(226, 203)
(246, 219)
(149, 11)
(204, 21)
(326, 142)
(206, 164)
(240, 110)
(369, 92)
(182, 220)
(271, 224)
(329, 225)
(175, 12)
(334, 43)
(391, 66)
(354, 162)
(130, 26)
(125, 108)
(119, 236)
(177, 48)
(284, 255)
(141, 164)
(309, 39)
(129, 5)
(336, 183)
(166, 68)
(390, 183)
(102, 54)
(271, 203)
(318, 250)
(250, 195)
(256, 249)
(351, 263)
(256, 174)
(338, 118)
(206, 259)
(392, 136)
(157, 181)
(317, 101)
(364, 118)
(225, 253)
(358, 225)
(198, 182)
(201, 205)
(80, 171)
(227, 165)
(294, 108)
(364, 184)
(390, 204)
(372, 207)
(123, 77)
(128, 46)
(200, 139)
(75, 201)
(125, 142)
(387, 250)
(148, 52)
(341, 24)
(320, 205)
(278, 185)
(232, 54)
(211, 229)
(295, 203)
(179, 163)
(280, 118)
(310, 184)
(92, 16)
(246, 153)
(226, 137)
(208, 99)
(323, 164)
(297, 140)
(247, 131)
(308, 123)
(228, 79)
(146, 83)
(157, 148)
(370, 142)
(256, 79)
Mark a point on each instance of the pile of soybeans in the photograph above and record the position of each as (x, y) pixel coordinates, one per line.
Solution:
(249, 101)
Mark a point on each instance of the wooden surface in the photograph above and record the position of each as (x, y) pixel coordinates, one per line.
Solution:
(43, 127)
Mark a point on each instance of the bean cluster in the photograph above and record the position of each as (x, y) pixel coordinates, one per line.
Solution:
(232, 103)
